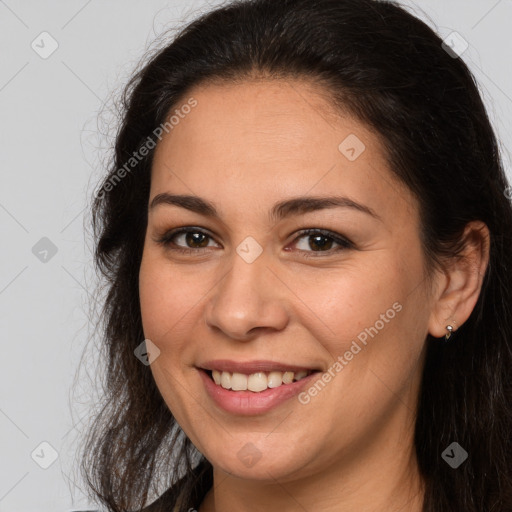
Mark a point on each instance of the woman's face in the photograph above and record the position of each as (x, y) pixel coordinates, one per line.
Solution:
(255, 165)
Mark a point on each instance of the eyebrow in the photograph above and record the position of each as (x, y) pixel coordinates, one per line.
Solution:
(281, 210)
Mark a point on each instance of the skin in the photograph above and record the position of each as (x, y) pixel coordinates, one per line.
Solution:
(245, 147)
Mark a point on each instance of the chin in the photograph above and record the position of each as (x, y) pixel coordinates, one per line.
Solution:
(247, 461)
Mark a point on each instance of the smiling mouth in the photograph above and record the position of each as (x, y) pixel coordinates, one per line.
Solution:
(256, 382)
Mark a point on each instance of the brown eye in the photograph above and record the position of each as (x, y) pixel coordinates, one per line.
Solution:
(185, 239)
(321, 241)
(191, 239)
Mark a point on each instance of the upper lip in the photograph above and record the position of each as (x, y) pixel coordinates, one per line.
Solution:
(248, 367)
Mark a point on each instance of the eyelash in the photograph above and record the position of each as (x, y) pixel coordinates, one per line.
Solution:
(343, 243)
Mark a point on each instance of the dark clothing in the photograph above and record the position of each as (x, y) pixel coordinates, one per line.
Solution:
(197, 484)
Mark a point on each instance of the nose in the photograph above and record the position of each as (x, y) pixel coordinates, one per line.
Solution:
(247, 301)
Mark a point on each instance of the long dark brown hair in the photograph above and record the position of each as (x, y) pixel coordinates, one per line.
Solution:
(390, 70)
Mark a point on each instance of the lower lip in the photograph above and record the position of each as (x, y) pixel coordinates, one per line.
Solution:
(249, 402)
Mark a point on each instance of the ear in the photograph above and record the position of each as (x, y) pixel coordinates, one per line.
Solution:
(459, 285)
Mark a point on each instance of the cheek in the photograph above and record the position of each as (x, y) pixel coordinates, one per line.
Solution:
(337, 305)
(342, 303)
(167, 300)
(167, 297)
(371, 322)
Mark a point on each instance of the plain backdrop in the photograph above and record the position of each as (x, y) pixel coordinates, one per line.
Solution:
(52, 146)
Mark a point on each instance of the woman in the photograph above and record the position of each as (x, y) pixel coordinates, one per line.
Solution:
(306, 236)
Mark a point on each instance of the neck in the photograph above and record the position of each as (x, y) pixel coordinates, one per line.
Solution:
(378, 473)
(372, 481)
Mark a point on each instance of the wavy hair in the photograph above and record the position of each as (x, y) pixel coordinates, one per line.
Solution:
(389, 70)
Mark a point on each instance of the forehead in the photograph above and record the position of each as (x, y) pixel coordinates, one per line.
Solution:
(265, 139)
(236, 121)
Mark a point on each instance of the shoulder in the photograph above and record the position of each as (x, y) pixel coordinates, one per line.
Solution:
(191, 488)
(187, 493)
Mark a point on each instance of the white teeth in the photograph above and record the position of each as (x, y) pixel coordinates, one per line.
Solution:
(288, 377)
(225, 380)
(275, 379)
(256, 382)
(301, 374)
(239, 382)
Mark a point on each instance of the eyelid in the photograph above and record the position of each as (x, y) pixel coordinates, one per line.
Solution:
(168, 235)
(343, 242)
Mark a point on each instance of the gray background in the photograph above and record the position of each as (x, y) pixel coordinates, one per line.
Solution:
(52, 148)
